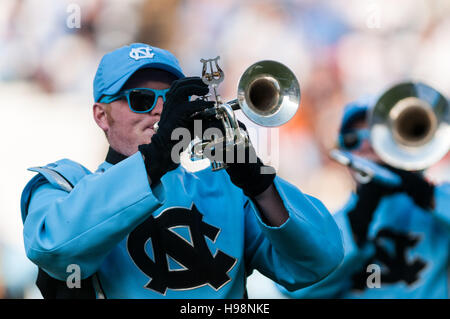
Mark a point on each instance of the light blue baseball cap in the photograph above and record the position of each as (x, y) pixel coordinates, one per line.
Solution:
(356, 111)
(118, 66)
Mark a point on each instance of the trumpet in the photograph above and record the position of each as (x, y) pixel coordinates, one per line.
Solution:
(409, 126)
(268, 94)
(409, 129)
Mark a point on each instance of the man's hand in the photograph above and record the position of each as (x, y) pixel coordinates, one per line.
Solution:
(247, 172)
(244, 167)
(369, 196)
(176, 113)
(415, 185)
(360, 217)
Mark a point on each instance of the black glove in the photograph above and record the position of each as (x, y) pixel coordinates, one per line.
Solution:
(177, 111)
(414, 184)
(360, 217)
(244, 167)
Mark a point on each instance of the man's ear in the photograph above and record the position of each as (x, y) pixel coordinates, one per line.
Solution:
(100, 113)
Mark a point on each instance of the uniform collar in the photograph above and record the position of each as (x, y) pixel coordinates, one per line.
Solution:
(113, 157)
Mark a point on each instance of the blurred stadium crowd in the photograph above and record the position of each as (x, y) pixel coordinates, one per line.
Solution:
(339, 50)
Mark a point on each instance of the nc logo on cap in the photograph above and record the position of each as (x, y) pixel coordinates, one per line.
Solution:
(141, 53)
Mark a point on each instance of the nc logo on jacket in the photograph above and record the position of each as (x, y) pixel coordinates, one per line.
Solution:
(141, 53)
(197, 266)
(396, 266)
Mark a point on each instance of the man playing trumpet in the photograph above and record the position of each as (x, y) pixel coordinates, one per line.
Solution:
(396, 232)
(142, 226)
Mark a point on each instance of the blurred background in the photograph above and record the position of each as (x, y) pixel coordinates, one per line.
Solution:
(339, 50)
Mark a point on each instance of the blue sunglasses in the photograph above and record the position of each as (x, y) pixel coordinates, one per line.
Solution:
(140, 100)
(353, 139)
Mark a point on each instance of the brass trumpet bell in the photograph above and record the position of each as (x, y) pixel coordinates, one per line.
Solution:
(268, 93)
(409, 126)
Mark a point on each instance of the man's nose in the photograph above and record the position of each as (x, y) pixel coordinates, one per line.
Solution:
(158, 107)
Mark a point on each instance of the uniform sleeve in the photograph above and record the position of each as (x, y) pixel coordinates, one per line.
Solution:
(339, 282)
(442, 204)
(82, 226)
(302, 251)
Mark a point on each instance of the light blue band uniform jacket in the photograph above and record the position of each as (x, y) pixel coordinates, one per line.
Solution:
(410, 246)
(193, 235)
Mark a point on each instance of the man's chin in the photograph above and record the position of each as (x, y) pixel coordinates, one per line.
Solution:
(147, 136)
